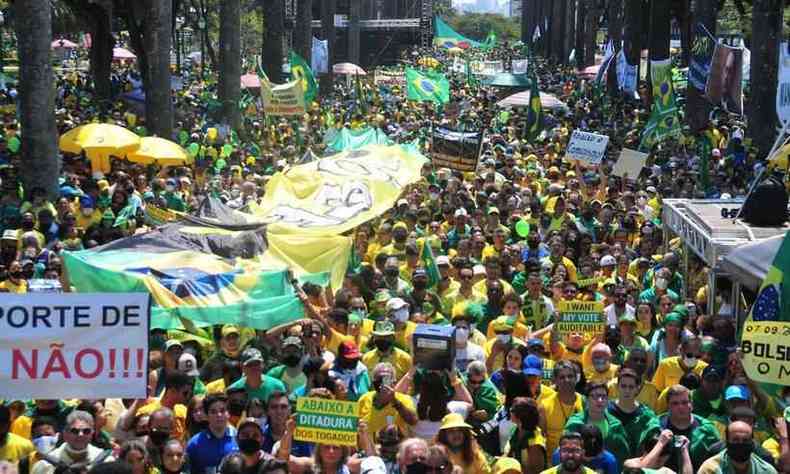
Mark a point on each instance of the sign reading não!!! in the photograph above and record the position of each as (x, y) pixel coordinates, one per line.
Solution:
(766, 351)
(582, 317)
(319, 420)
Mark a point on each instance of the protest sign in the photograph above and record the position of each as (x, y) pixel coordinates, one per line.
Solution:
(629, 163)
(156, 216)
(590, 282)
(389, 78)
(724, 83)
(783, 84)
(283, 99)
(626, 73)
(587, 146)
(582, 317)
(455, 150)
(320, 420)
(766, 351)
(519, 66)
(74, 345)
(44, 285)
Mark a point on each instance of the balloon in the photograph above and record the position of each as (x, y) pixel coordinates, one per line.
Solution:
(522, 228)
(211, 134)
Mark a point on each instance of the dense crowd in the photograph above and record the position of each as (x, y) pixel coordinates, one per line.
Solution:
(662, 389)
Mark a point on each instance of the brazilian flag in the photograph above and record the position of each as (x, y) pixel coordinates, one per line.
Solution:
(301, 70)
(490, 40)
(664, 119)
(773, 299)
(427, 86)
(535, 114)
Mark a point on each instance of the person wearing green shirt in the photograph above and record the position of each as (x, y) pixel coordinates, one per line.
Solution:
(485, 396)
(708, 399)
(290, 371)
(174, 200)
(638, 420)
(701, 433)
(254, 382)
(614, 434)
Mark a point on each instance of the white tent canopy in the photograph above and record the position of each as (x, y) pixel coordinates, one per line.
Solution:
(749, 263)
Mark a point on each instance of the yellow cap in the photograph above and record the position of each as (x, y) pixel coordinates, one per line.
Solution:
(454, 420)
(506, 466)
(502, 323)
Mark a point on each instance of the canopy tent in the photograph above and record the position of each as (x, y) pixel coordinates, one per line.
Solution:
(749, 263)
(506, 79)
(250, 81)
(547, 101)
(123, 54)
(64, 43)
(348, 68)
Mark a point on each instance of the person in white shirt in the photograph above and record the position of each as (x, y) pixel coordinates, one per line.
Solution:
(465, 350)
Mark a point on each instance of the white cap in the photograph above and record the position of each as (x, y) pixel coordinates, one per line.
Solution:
(373, 465)
(460, 212)
(395, 304)
(651, 189)
(402, 202)
(442, 260)
(608, 260)
(478, 270)
(188, 365)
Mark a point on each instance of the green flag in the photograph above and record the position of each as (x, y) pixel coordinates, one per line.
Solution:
(301, 70)
(470, 78)
(361, 102)
(535, 114)
(490, 41)
(429, 262)
(664, 121)
(427, 86)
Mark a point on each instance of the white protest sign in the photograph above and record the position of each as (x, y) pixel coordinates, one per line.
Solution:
(587, 146)
(283, 99)
(519, 66)
(629, 163)
(74, 345)
(783, 84)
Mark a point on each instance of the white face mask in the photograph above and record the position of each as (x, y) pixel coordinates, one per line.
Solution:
(87, 211)
(461, 335)
(45, 444)
(170, 188)
(690, 361)
(503, 338)
(662, 283)
(401, 315)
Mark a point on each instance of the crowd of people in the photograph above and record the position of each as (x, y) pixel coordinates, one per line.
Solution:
(661, 389)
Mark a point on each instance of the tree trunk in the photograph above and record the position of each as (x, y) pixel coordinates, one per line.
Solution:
(558, 30)
(634, 10)
(615, 15)
(303, 34)
(273, 32)
(33, 22)
(697, 107)
(230, 61)
(684, 21)
(570, 30)
(328, 32)
(766, 32)
(581, 14)
(102, 44)
(660, 30)
(353, 31)
(157, 39)
(526, 20)
(590, 31)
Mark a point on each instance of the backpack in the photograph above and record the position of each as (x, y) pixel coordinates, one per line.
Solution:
(76, 468)
(767, 205)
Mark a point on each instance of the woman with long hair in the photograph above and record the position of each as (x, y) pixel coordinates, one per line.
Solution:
(196, 415)
(456, 435)
(135, 453)
(645, 320)
(526, 443)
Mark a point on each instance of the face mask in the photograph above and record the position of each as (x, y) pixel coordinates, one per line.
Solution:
(402, 315)
(87, 212)
(158, 438)
(292, 360)
(740, 452)
(690, 362)
(419, 284)
(433, 196)
(416, 468)
(661, 283)
(236, 408)
(391, 272)
(170, 188)
(27, 226)
(16, 275)
(601, 365)
(249, 446)
(45, 444)
(383, 344)
(503, 338)
(461, 335)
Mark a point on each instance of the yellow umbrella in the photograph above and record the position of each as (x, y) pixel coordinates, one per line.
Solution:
(780, 157)
(455, 50)
(155, 150)
(99, 141)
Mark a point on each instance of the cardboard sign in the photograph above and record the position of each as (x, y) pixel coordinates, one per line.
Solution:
(456, 150)
(629, 163)
(320, 420)
(587, 146)
(74, 345)
(283, 99)
(582, 317)
(765, 346)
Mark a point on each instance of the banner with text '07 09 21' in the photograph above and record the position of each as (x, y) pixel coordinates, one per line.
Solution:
(57, 346)
(456, 150)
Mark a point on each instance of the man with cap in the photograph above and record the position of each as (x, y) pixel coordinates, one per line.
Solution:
(496, 348)
(708, 399)
(350, 370)
(290, 371)
(229, 348)
(249, 438)
(460, 229)
(384, 350)
(397, 311)
(447, 287)
(254, 381)
(383, 406)
(739, 456)
(420, 294)
(392, 280)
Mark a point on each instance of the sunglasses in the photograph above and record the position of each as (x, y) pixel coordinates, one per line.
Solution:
(81, 432)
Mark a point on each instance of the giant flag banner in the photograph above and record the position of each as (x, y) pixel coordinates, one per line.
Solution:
(300, 71)
(348, 139)
(424, 86)
(282, 99)
(664, 121)
(701, 56)
(444, 36)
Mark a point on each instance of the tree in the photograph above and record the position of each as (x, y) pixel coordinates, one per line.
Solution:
(591, 16)
(157, 39)
(33, 22)
(766, 30)
(477, 25)
(273, 33)
(230, 61)
(303, 33)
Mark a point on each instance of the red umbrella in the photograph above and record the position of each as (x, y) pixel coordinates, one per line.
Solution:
(64, 43)
(122, 53)
(250, 81)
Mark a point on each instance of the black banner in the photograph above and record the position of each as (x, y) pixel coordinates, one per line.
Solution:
(456, 150)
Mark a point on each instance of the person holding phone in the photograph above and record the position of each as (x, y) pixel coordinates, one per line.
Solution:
(383, 406)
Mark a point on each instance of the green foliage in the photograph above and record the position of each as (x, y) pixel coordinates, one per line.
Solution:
(477, 25)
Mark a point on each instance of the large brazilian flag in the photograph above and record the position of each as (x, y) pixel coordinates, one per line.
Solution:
(444, 36)
(428, 86)
(664, 120)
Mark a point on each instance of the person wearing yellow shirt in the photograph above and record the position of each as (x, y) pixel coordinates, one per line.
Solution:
(493, 270)
(383, 341)
(411, 263)
(671, 369)
(13, 447)
(511, 307)
(397, 248)
(500, 239)
(447, 287)
(86, 213)
(398, 312)
(602, 369)
(558, 257)
(383, 238)
(497, 348)
(15, 283)
(383, 406)
(457, 436)
(637, 360)
(178, 392)
(555, 410)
